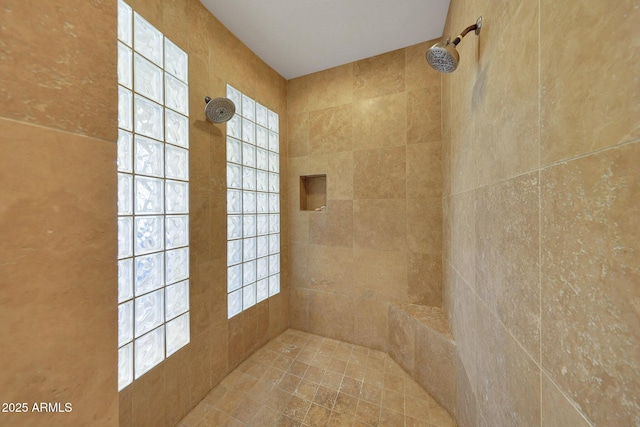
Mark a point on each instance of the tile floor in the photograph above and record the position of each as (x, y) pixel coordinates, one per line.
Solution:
(300, 379)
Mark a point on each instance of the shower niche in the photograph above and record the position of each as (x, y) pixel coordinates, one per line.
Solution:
(313, 193)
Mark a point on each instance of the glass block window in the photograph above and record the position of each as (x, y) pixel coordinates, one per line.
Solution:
(153, 197)
(253, 204)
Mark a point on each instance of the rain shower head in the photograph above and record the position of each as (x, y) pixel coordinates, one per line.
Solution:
(444, 57)
(219, 110)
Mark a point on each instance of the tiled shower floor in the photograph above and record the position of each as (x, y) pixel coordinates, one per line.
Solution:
(300, 379)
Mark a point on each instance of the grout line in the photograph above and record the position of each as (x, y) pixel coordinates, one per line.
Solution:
(540, 199)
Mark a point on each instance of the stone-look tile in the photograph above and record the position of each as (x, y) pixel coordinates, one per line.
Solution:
(508, 386)
(383, 272)
(424, 279)
(424, 170)
(298, 134)
(370, 323)
(557, 411)
(175, 21)
(463, 235)
(380, 173)
(507, 95)
(466, 399)
(379, 75)
(333, 226)
(331, 268)
(590, 275)
(402, 338)
(59, 66)
(298, 90)
(570, 126)
(200, 354)
(149, 400)
(330, 130)
(424, 115)
(125, 407)
(219, 337)
(424, 225)
(380, 224)
(380, 122)
(58, 247)
(331, 88)
(446, 137)
(176, 386)
(339, 170)
(299, 266)
(464, 323)
(299, 309)
(418, 73)
(507, 250)
(199, 230)
(331, 315)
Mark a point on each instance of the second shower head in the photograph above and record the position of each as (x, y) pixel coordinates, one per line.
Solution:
(219, 110)
(444, 57)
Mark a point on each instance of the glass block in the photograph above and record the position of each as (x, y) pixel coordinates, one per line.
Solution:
(234, 252)
(248, 296)
(274, 142)
(262, 288)
(249, 249)
(124, 66)
(125, 194)
(248, 108)
(177, 334)
(149, 351)
(249, 202)
(234, 278)
(274, 223)
(235, 95)
(248, 155)
(248, 131)
(234, 201)
(147, 40)
(262, 159)
(149, 118)
(274, 162)
(273, 121)
(176, 162)
(176, 61)
(249, 226)
(149, 157)
(176, 128)
(248, 273)
(125, 237)
(125, 15)
(248, 178)
(274, 203)
(234, 227)
(262, 225)
(149, 312)
(262, 203)
(274, 264)
(234, 150)
(234, 303)
(177, 196)
(149, 273)
(125, 279)
(262, 243)
(261, 115)
(262, 268)
(176, 95)
(177, 231)
(176, 299)
(125, 151)
(149, 195)
(234, 176)
(262, 137)
(274, 182)
(125, 323)
(124, 108)
(177, 265)
(274, 244)
(125, 366)
(234, 126)
(148, 79)
(149, 234)
(262, 181)
(274, 285)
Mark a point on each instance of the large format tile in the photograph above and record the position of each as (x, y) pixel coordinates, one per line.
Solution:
(380, 122)
(379, 75)
(330, 130)
(380, 173)
(557, 411)
(380, 224)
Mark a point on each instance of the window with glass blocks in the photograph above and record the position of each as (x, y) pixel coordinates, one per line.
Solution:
(253, 204)
(153, 197)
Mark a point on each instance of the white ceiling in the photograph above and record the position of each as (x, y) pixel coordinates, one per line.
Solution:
(298, 37)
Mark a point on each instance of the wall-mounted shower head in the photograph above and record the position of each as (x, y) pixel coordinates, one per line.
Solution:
(219, 110)
(444, 57)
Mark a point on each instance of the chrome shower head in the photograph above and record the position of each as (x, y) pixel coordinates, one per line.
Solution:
(219, 110)
(444, 57)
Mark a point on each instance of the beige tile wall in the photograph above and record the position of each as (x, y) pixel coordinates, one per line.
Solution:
(541, 232)
(373, 127)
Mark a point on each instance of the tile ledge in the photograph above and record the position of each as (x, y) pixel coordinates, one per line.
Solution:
(430, 317)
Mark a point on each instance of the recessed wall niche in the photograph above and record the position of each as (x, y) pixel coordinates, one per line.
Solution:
(313, 193)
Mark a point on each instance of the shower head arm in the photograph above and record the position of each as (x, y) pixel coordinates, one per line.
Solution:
(475, 27)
